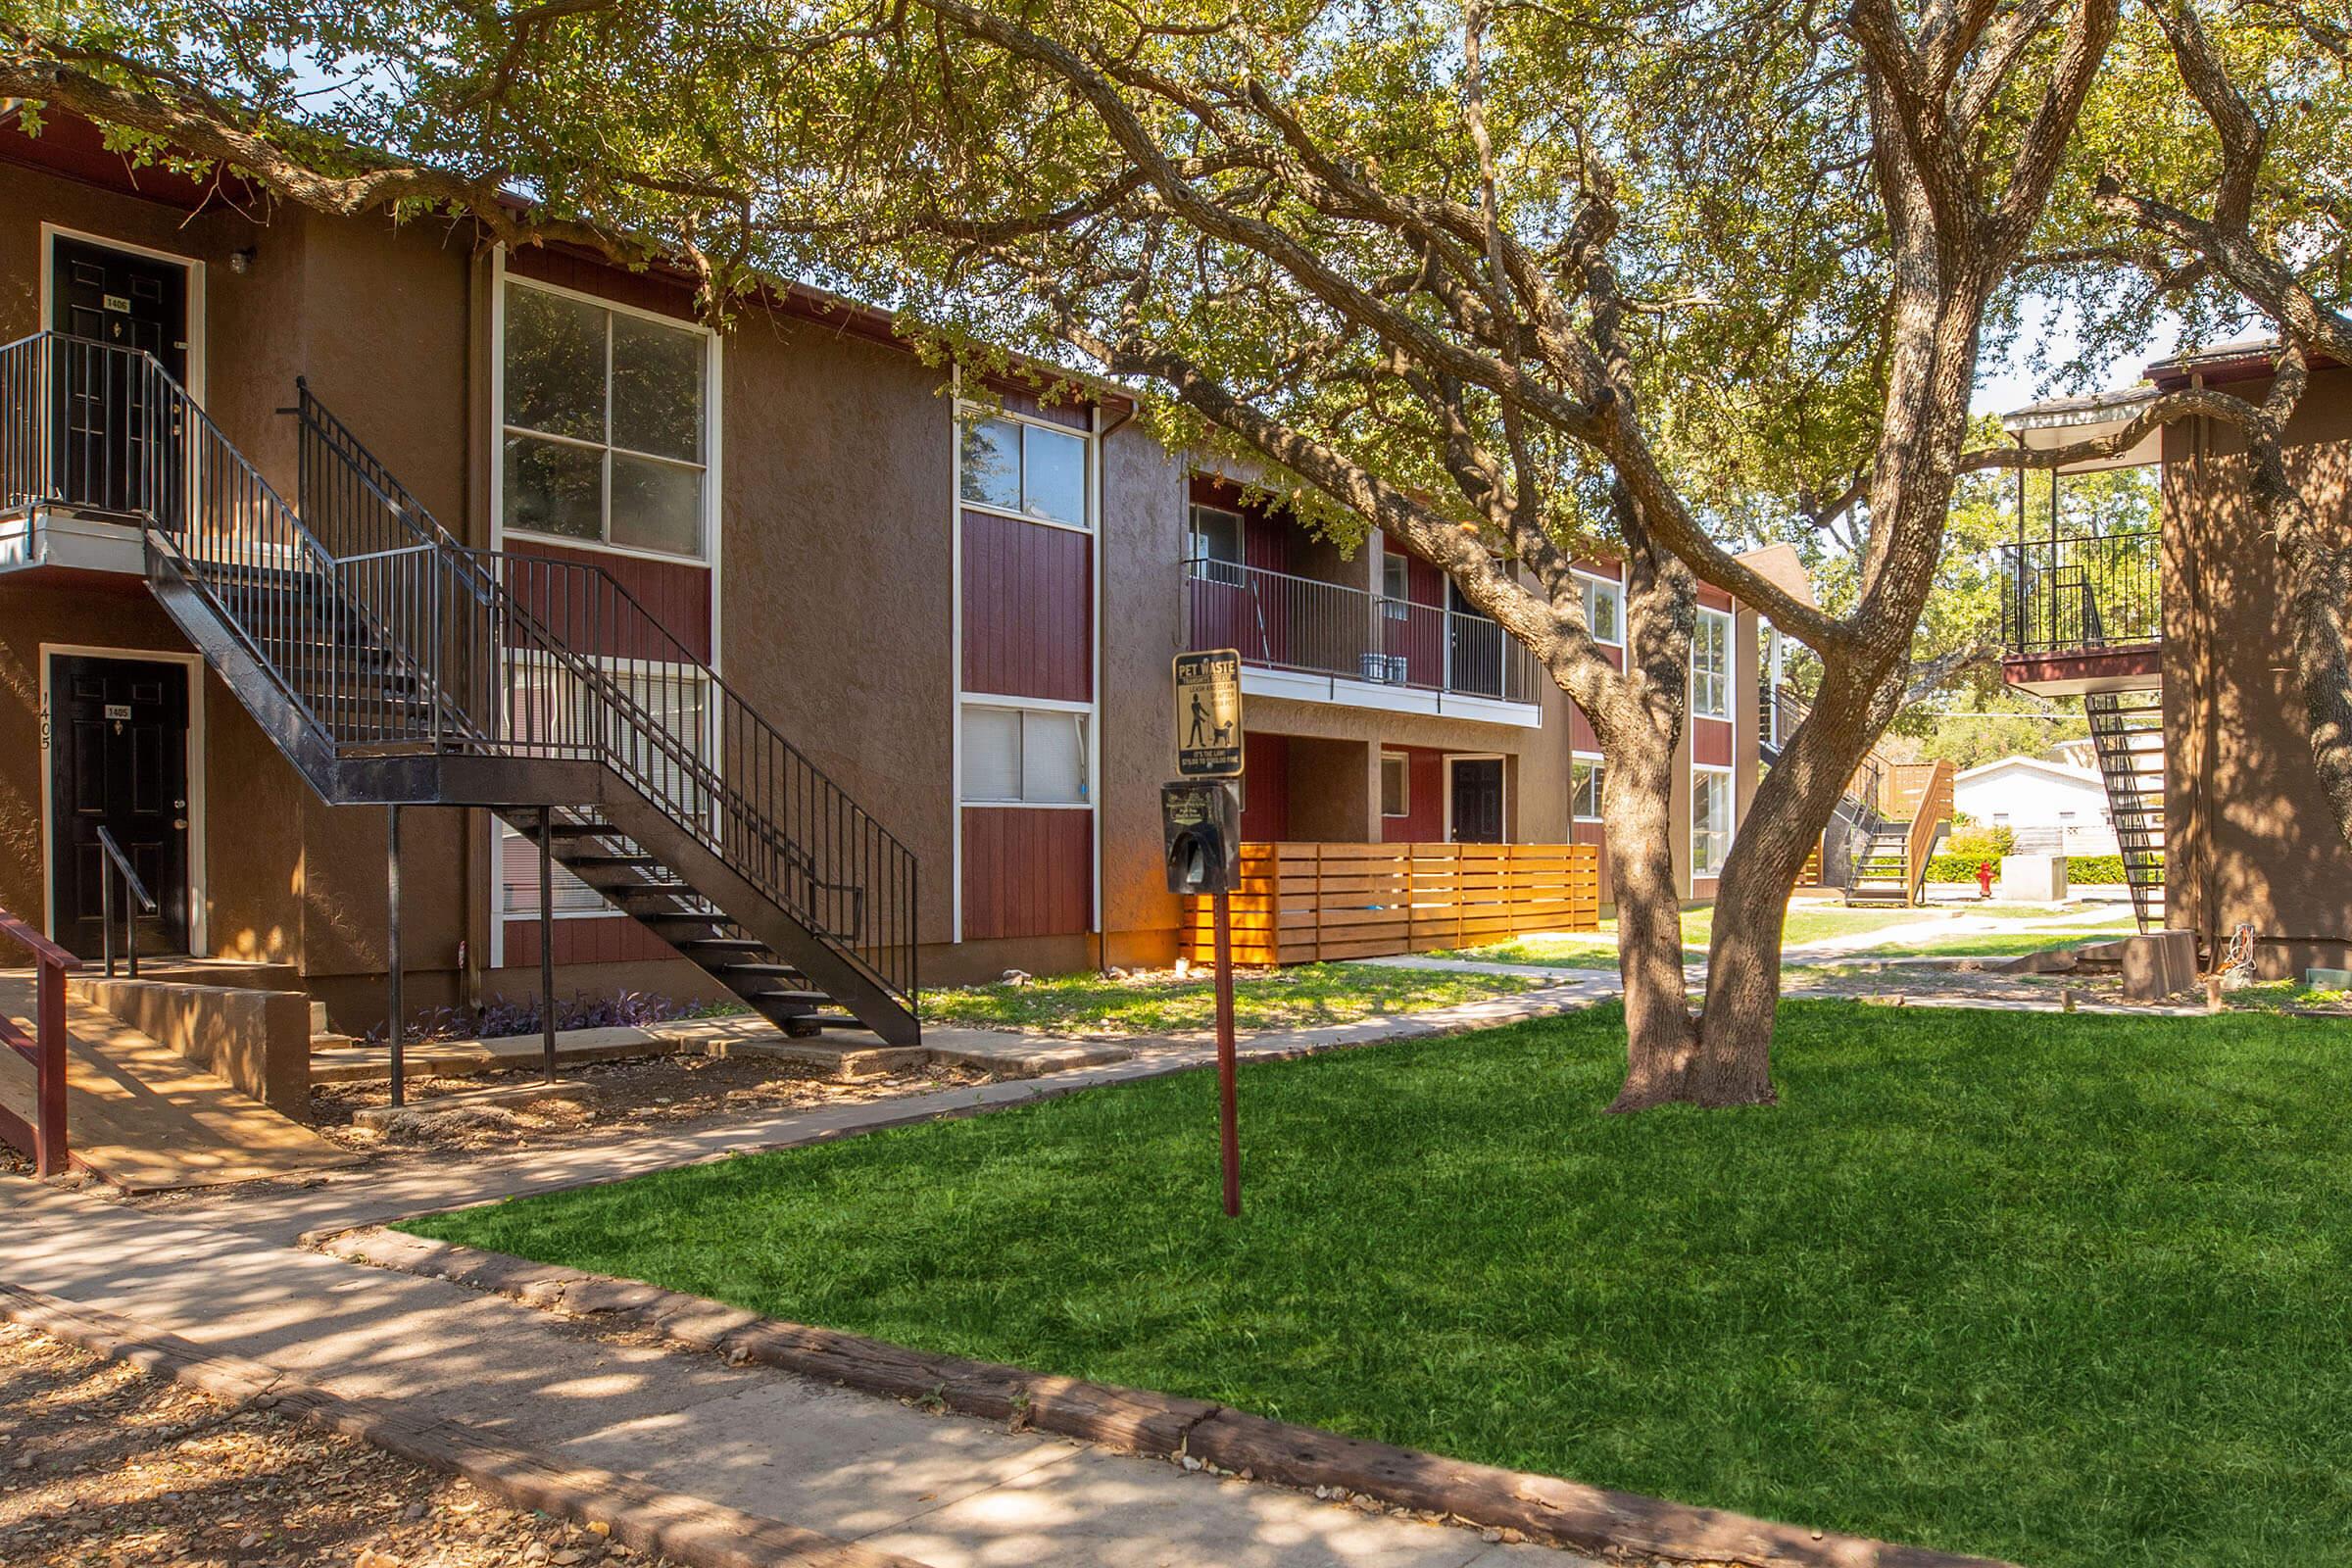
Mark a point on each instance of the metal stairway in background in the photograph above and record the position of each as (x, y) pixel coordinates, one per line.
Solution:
(393, 666)
(2126, 730)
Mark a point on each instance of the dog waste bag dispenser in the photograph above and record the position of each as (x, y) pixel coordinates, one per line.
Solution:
(1201, 822)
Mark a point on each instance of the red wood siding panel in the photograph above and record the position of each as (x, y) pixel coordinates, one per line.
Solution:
(1425, 584)
(1266, 542)
(1425, 820)
(1594, 834)
(1027, 873)
(1580, 731)
(1028, 608)
(648, 291)
(1017, 398)
(1711, 742)
(1713, 597)
(586, 939)
(1266, 787)
(675, 595)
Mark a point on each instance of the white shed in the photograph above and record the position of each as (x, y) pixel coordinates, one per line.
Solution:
(2053, 807)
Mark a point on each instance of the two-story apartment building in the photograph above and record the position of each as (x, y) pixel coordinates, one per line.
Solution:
(2174, 637)
(330, 548)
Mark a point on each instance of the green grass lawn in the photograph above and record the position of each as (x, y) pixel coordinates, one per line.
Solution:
(1298, 998)
(2004, 944)
(2069, 1292)
(1598, 950)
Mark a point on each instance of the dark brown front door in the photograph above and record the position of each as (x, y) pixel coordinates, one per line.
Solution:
(114, 452)
(119, 760)
(1477, 799)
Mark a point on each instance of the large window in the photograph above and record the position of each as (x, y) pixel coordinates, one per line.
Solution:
(1604, 611)
(1710, 819)
(1023, 755)
(654, 717)
(1216, 545)
(1031, 469)
(1586, 778)
(605, 424)
(1711, 666)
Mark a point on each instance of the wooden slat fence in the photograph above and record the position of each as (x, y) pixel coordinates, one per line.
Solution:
(1302, 903)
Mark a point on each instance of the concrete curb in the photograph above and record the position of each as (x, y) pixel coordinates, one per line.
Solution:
(645, 1518)
(1545, 1508)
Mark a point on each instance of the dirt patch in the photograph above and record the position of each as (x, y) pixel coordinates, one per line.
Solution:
(102, 1467)
(630, 1095)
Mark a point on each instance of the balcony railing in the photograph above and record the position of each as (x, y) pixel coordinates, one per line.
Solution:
(2076, 595)
(1299, 624)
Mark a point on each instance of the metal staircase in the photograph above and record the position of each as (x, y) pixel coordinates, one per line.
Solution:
(394, 666)
(2126, 730)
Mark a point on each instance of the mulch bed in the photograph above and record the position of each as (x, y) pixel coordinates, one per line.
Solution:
(103, 1467)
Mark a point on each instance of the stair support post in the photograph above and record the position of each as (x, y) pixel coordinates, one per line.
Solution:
(547, 941)
(392, 962)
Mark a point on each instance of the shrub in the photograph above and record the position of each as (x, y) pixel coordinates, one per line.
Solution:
(2091, 871)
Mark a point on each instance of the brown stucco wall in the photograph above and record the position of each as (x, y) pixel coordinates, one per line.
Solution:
(1144, 525)
(835, 590)
(2250, 836)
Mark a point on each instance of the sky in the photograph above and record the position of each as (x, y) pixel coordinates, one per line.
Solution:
(2010, 382)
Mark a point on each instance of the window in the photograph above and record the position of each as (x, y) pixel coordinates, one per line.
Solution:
(1396, 584)
(1395, 784)
(561, 714)
(1585, 784)
(603, 425)
(1012, 465)
(1604, 611)
(1023, 757)
(1710, 819)
(1711, 666)
(1216, 547)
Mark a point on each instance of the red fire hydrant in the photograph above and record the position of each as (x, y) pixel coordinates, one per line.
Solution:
(1983, 879)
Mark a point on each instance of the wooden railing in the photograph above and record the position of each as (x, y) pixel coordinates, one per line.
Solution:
(1921, 794)
(44, 1137)
(1301, 903)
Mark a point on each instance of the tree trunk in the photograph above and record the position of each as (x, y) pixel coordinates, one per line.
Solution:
(1792, 808)
(1662, 1043)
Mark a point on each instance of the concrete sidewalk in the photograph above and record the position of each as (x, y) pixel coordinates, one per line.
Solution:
(941, 1490)
(348, 1201)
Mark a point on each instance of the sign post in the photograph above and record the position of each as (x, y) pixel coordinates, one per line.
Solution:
(1201, 822)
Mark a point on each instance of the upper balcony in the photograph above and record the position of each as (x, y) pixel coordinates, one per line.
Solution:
(2081, 614)
(2081, 604)
(1324, 641)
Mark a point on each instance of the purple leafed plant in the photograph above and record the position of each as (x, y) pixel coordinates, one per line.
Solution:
(506, 1016)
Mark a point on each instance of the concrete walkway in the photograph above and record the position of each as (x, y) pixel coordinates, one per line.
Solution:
(145, 1117)
(346, 1201)
(942, 1489)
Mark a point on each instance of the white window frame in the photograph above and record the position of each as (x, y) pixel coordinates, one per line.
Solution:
(707, 546)
(1731, 816)
(1405, 792)
(1084, 712)
(1615, 588)
(1599, 765)
(1727, 698)
(1087, 439)
(502, 832)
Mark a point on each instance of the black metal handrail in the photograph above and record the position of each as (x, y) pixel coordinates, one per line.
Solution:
(2082, 593)
(136, 901)
(611, 682)
(450, 649)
